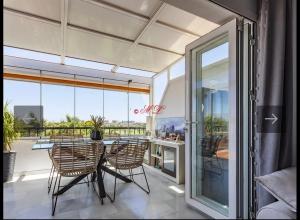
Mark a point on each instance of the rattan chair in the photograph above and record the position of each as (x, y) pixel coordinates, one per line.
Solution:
(128, 155)
(210, 147)
(60, 139)
(73, 160)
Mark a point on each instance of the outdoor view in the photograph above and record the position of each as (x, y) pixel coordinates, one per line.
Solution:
(68, 110)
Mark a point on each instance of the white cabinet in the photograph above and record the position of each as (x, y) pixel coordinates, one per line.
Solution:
(167, 158)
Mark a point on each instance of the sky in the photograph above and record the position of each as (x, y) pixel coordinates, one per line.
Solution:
(58, 101)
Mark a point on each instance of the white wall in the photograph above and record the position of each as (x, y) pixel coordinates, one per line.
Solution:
(174, 99)
(215, 76)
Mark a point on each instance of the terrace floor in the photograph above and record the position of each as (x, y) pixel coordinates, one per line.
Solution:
(27, 197)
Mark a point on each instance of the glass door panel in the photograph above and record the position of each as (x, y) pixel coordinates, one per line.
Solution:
(210, 182)
(211, 122)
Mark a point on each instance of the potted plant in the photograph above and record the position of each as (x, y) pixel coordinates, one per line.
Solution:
(97, 130)
(9, 135)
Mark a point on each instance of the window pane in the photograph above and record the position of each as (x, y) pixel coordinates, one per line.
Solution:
(58, 103)
(159, 85)
(87, 102)
(137, 103)
(210, 151)
(178, 69)
(26, 94)
(21, 93)
(214, 55)
(26, 97)
(116, 111)
(27, 54)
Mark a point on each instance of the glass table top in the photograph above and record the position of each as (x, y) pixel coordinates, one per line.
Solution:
(45, 144)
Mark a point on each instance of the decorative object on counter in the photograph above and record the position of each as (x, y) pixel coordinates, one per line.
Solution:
(97, 130)
(170, 128)
(177, 138)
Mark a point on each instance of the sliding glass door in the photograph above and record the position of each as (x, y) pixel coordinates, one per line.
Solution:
(211, 122)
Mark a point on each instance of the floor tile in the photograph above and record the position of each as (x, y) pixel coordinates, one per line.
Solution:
(29, 199)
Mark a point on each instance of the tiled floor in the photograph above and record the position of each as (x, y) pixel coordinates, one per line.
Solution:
(28, 198)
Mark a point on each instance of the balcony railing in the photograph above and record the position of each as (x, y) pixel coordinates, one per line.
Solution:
(85, 131)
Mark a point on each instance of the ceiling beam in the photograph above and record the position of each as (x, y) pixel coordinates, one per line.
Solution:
(80, 28)
(152, 20)
(64, 23)
(93, 31)
(117, 8)
(72, 82)
(122, 10)
(164, 24)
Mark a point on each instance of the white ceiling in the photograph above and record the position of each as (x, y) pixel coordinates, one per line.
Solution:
(141, 34)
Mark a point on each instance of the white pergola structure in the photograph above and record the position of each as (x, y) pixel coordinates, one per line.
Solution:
(146, 35)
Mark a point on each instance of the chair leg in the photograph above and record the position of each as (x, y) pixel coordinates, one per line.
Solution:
(54, 197)
(93, 184)
(130, 173)
(50, 179)
(147, 191)
(103, 175)
(88, 183)
(115, 186)
(219, 166)
(146, 179)
(50, 174)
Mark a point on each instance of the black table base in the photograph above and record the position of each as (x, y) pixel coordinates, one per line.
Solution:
(100, 183)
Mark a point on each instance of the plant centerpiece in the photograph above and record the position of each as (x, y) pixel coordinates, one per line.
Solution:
(9, 135)
(97, 130)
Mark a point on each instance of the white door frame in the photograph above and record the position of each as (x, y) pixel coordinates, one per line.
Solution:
(229, 29)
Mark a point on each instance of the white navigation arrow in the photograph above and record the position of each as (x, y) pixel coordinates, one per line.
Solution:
(274, 118)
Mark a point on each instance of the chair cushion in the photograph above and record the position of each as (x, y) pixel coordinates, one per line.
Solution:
(275, 210)
(282, 185)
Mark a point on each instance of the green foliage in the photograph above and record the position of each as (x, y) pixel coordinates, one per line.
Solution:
(215, 124)
(73, 122)
(97, 122)
(34, 122)
(9, 131)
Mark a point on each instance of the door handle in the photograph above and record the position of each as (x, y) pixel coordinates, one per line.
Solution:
(187, 123)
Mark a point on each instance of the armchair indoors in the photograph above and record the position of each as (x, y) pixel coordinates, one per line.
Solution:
(210, 146)
(128, 155)
(74, 160)
(60, 139)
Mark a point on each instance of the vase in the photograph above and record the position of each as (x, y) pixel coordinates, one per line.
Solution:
(9, 159)
(96, 135)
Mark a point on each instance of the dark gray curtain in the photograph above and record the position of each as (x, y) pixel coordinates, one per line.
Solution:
(274, 150)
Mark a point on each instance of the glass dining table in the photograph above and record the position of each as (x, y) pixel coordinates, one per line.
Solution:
(45, 144)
